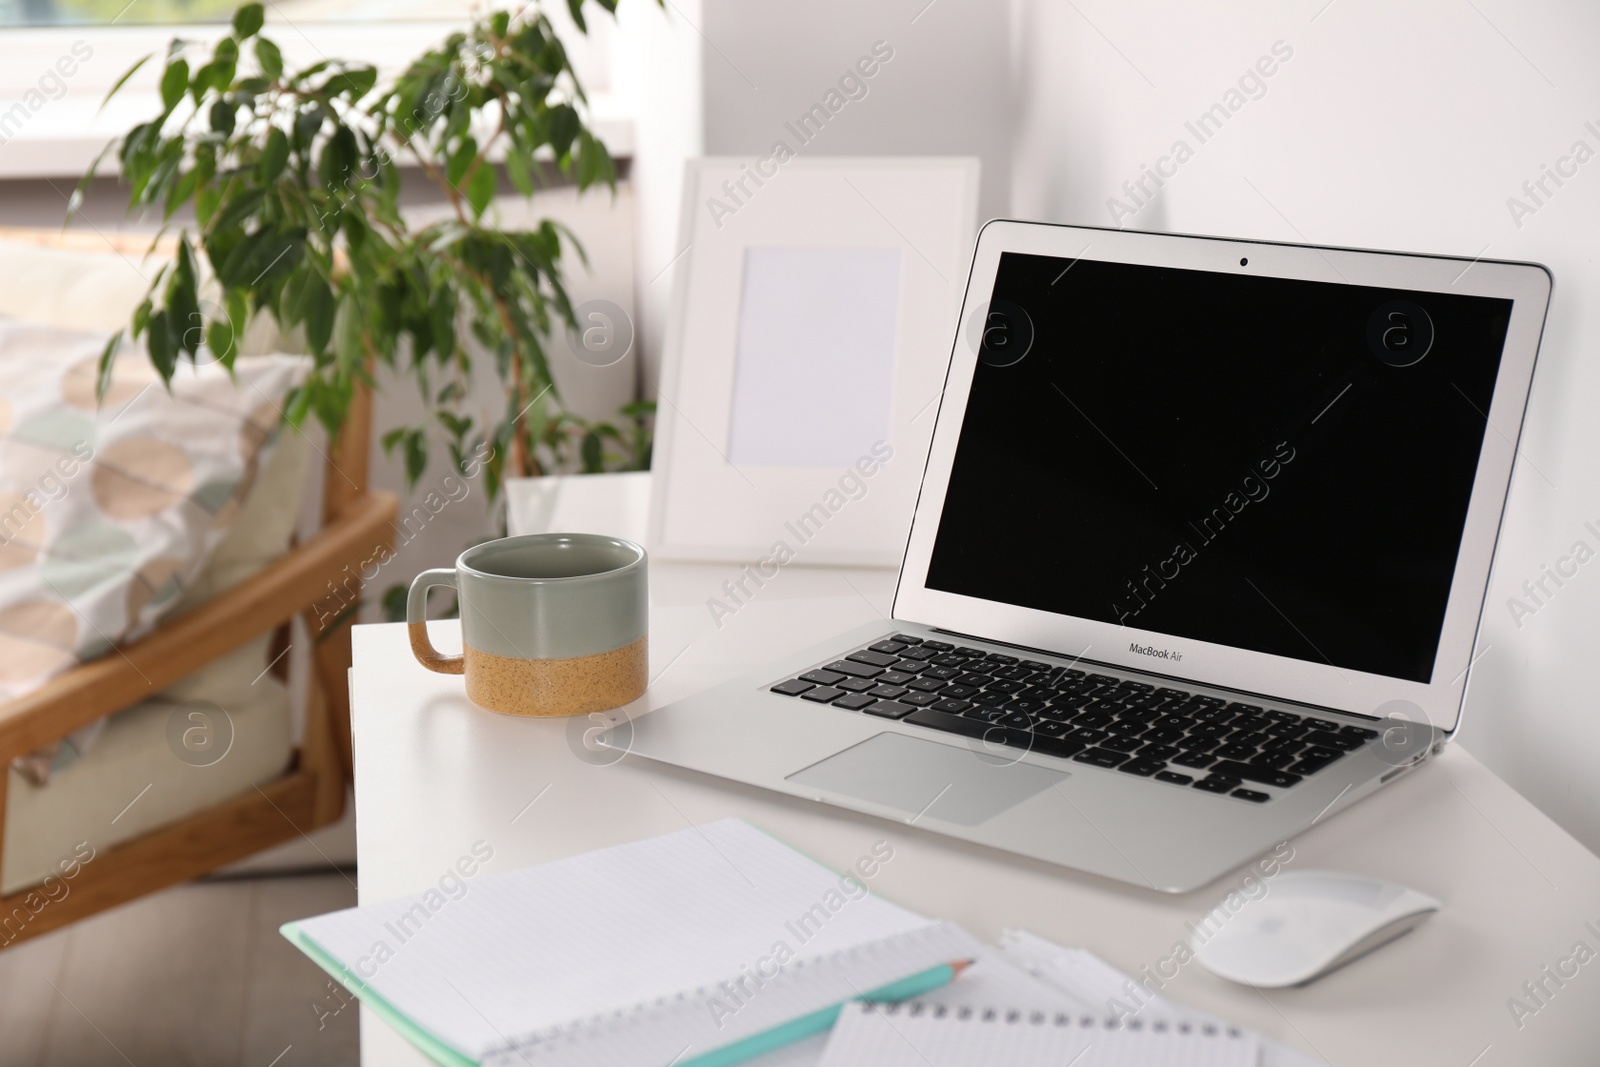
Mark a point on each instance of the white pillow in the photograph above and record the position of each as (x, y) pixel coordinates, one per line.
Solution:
(108, 513)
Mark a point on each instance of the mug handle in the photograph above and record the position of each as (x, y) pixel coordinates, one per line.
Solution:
(417, 620)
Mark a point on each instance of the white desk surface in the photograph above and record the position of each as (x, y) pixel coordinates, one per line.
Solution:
(434, 774)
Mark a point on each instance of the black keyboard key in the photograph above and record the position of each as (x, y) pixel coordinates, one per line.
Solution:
(1214, 702)
(956, 689)
(1137, 687)
(1327, 755)
(1015, 674)
(1037, 665)
(821, 677)
(855, 701)
(1168, 722)
(822, 694)
(890, 709)
(895, 677)
(1122, 744)
(1127, 727)
(1283, 716)
(938, 646)
(1025, 705)
(1000, 657)
(1143, 700)
(1206, 713)
(1144, 768)
(858, 685)
(1282, 744)
(855, 668)
(970, 652)
(1342, 741)
(1055, 713)
(1288, 729)
(1164, 737)
(1209, 729)
(1016, 719)
(1051, 728)
(1198, 744)
(1234, 750)
(1101, 757)
(974, 679)
(943, 674)
(918, 654)
(889, 648)
(793, 687)
(1321, 724)
(969, 727)
(951, 706)
(1196, 760)
(904, 639)
(1103, 679)
(1089, 736)
(1251, 795)
(978, 711)
(1172, 694)
(917, 698)
(1158, 752)
(1252, 773)
(889, 692)
(1274, 760)
(1216, 784)
(951, 659)
(926, 684)
(1358, 731)
(990, 699)
(1253, 709)
(876, 659)
(1174, 777)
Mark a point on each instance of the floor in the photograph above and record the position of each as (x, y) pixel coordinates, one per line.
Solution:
(196, 975)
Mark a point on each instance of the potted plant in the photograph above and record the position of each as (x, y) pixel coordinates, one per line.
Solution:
(293, 178)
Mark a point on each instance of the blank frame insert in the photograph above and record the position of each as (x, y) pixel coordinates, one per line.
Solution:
(814, 365)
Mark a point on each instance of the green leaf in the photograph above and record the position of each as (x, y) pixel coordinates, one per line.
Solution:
(270, 58)
(347, 333)
(130, 72)
(481, 190)
(518, 171)
(320, 306)
(108, 358)
(274, 155)
(174, 83)
(575, 8)
(460, 160)
(223, 115)
(392, 438)
(222, 341)
(442, 321)
(247, 21)
(591, 453)
(416, 456)
(163, 347)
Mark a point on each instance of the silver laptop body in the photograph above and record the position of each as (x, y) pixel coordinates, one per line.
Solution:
(1198, 560)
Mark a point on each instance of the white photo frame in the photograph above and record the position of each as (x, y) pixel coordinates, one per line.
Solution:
(813, 309)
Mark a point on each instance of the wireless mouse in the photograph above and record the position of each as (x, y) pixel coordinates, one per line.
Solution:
(1305, 924)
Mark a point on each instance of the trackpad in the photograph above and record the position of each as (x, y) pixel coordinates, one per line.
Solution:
(926, 778)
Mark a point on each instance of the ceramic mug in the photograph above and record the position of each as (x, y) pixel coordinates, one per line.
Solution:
(551, 624)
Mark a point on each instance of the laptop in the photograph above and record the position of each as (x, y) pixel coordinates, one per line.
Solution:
(1198, 560)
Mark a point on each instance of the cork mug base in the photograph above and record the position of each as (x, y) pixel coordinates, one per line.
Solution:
(557, 687)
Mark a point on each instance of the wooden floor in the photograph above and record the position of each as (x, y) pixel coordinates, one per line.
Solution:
(196, 976)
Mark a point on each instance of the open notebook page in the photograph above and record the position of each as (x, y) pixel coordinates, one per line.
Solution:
(599, 933)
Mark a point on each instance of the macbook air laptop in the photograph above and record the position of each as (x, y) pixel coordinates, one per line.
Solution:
(1198, 560)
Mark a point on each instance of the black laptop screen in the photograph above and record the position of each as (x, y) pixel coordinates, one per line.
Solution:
(1269, 464)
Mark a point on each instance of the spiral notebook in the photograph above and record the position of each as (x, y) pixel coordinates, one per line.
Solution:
(923, 1035)
(701, 947)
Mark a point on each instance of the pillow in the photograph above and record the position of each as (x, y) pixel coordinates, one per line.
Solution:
(108, 513)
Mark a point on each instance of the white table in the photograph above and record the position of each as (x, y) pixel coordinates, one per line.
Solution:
(434, 774)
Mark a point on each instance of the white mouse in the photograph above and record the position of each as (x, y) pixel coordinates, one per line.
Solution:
(1306, 924)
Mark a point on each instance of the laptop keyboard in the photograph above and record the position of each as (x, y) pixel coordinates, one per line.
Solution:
(1169, 735)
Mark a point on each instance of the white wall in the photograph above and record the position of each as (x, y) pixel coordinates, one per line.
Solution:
(946, 91)
(1400, 126)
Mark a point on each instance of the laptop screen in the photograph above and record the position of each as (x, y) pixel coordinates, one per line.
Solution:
(1270, 464)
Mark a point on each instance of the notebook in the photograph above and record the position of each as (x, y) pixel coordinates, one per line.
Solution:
(924, 1035)
(701, 947)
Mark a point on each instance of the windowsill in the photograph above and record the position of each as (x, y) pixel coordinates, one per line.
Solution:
(66, 135)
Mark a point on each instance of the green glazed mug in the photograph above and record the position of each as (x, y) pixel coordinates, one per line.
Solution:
(551, 624)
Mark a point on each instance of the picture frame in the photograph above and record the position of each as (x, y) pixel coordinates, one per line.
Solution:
(814, 305)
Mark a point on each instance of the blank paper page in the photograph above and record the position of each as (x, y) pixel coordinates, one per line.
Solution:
(601, 932)
(814, 364)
